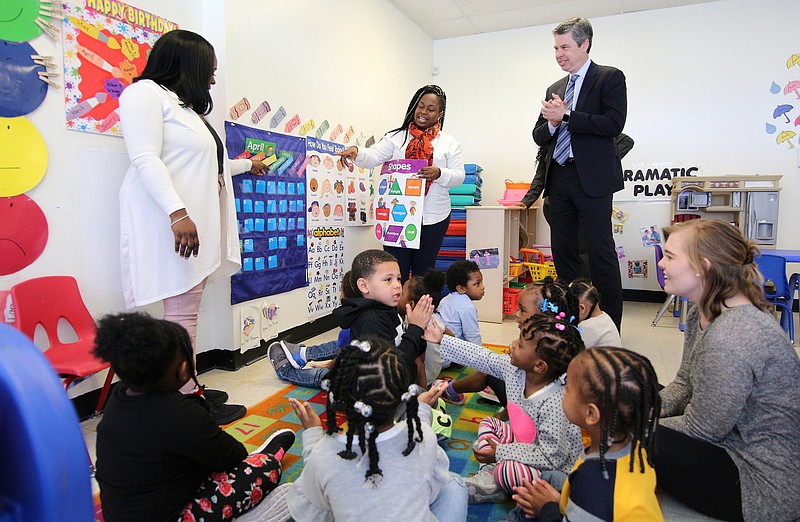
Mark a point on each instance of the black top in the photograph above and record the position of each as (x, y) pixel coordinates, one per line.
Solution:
(154, 451)
(218, 141)
(367, 317)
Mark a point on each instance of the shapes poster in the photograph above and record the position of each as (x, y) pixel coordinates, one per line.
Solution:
(398, 203)
(106, 45)
(360, 191)
(271, 213)
(326, 218)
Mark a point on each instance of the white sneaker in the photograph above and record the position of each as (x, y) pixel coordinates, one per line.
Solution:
(482, 488)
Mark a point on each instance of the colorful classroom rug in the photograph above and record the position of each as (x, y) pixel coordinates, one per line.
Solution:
(275, 413)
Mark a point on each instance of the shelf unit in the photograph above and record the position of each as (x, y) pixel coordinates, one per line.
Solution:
(484, 226)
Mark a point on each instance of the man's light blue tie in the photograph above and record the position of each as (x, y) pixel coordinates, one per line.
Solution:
(561, 154)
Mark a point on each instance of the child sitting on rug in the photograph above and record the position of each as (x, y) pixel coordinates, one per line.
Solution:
(375, 275)
(529, 301)
(160, 455)
(538, 437)
(465, 281)
(289, 359)
(430, 363)
(380, 469)
(597, 328)
(612, 393)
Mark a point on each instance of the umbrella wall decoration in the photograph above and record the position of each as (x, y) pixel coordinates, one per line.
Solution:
(782, 110)
(785, 136)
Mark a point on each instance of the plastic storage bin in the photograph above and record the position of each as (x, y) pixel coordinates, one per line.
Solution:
(511, 300)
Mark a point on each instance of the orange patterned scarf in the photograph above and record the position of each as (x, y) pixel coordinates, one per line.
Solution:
(420, 146)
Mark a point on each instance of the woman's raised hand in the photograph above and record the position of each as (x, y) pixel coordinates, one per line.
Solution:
(348, 156)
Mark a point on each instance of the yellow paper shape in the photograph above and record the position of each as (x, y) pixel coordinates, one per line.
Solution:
(23, 156)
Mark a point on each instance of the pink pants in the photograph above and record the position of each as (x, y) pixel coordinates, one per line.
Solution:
(507, 473)
(183, 309)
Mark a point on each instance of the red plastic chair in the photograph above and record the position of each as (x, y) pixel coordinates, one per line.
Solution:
(46, 300)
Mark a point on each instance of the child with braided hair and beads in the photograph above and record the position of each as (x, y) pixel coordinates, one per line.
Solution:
(597, 327)
(613, 394)
(381, 469)
(538, 437)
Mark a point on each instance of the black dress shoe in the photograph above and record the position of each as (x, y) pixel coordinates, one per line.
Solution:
(217, 397)
(226, 413)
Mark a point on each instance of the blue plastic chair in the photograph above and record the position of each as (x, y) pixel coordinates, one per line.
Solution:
(43, 471)
(681, 304)
(780, 292)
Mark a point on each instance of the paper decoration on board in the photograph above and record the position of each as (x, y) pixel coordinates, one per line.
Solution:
(269, 320)
(325, 269)
(23, 20)
(239, 108)
(23, 233)
(249, 327)
(485, 258)
(652, 181)
(786, 114)
(20, 84)
(271, 212)
(106, 45)
(326, 178)
(360, 191)
(618, 214)
(326, 218)
(618, 228)
(398, 203)
(7, 306)
(620, 253)
(260, 112)
(23, 156)
(650, 235)
(637, 268)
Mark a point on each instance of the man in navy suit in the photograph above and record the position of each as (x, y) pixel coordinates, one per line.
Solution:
(581, 116)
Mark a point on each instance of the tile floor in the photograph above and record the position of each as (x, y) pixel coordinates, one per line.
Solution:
(662, 344)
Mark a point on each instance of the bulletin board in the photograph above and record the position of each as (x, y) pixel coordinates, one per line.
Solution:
(270, 211)
(106, 45)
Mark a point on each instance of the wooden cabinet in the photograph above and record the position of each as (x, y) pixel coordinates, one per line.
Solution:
(501, 228)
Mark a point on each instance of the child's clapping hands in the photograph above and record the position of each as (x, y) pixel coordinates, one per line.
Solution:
(308, 417)
(420, 314)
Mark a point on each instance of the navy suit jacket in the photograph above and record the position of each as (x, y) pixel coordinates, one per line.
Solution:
(594, 123)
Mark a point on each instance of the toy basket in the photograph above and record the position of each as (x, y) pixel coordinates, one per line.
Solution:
(515, 268)
(539, 271)
(511, 300)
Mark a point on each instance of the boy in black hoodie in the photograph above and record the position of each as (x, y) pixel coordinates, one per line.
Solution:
(376, 276)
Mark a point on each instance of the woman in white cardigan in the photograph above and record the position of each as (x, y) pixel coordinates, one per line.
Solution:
(420, 136)
(178, 222)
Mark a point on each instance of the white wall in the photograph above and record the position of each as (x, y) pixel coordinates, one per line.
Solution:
(698, 93)
(312, 57)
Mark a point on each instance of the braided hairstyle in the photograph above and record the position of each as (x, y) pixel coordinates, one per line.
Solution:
(556, 294)
(624, 386)
(141, 349)
(579, 290)
(557, 341)
(367, 383)
(412, 106)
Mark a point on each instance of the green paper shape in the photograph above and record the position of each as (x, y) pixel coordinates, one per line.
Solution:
(411, 232)
(17, 20)
(395, 190)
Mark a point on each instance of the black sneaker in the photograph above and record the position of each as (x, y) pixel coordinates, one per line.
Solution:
(278, 444)
(216, 397)
(277, 356)
(226, 413)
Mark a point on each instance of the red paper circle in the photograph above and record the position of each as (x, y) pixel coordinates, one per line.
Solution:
(23, 233)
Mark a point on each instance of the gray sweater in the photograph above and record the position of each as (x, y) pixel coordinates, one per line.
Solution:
(738, 387)
(332, 488)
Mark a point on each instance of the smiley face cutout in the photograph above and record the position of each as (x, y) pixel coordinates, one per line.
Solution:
(23, 233)
(23, 156)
